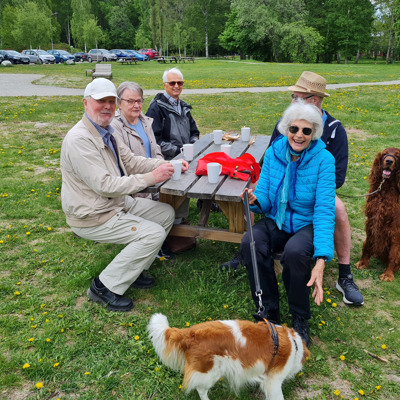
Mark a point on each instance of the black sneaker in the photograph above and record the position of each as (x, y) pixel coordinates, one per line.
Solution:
(300, 325)
(111, 300)
(165, 253)
(232, 264)
(351, 293)
(143, 282)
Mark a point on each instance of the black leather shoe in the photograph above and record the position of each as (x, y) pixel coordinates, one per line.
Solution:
(111, 300)
(143, 282)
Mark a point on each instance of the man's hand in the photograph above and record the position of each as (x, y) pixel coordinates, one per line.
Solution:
(163, 172)
(252, 196)
(317, 276)
(185, 165)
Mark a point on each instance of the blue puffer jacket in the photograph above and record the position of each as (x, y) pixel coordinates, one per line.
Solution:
(311, 197)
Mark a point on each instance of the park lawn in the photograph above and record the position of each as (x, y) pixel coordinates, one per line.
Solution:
(225, 74)
(50, 333)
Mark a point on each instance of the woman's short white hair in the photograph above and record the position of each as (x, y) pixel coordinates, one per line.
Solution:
(298, 111)
(171, 71)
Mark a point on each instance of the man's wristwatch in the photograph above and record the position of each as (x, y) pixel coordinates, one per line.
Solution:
(321, 258)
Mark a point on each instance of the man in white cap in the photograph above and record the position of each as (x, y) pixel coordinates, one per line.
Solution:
(310, 87)
(99, 173)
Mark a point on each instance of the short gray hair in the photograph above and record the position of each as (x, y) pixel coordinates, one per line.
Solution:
(301, 110)
(133, 86)
(171, 71)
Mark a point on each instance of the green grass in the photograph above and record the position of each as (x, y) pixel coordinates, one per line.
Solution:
(96, 354)
(224, 74)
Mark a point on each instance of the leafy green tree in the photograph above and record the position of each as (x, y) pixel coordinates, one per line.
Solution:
(234, 39)
(92, 33)
(7, 27)
(33, 26)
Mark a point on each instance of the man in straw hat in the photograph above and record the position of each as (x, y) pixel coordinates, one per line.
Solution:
(310, 88)
(99, 173)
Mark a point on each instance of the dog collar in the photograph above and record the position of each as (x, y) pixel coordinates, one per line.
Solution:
(274, 335)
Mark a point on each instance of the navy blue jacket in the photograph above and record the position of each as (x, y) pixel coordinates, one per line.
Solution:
(335, 138)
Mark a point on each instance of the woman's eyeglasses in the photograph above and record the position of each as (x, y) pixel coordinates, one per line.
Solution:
(294, 129)
(131, 102)
(173, 83)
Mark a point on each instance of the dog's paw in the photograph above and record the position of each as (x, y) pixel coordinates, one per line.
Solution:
(360, 265)
(387, 277)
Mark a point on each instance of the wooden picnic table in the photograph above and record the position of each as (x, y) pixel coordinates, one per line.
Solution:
(128, 60)
(225, 193)
(162, 59)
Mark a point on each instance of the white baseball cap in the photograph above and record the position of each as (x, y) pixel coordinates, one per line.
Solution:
(100, 88)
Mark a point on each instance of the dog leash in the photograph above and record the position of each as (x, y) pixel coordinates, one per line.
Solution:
(258, 292)
(364, 195)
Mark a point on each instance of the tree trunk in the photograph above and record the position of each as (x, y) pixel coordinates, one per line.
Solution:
(338, 57)
(357, 56)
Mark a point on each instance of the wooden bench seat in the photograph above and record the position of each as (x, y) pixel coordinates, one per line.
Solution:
(102, 71)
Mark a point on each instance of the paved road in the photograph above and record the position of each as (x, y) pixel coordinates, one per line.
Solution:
(21, 85)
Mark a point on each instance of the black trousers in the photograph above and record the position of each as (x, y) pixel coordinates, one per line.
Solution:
(297, 249)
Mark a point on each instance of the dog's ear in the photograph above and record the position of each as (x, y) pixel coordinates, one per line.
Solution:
(398, 179)
(376, 172)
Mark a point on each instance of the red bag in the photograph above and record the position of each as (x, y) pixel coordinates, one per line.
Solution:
(241, 167)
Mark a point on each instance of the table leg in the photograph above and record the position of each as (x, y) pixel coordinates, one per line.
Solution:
(235, 214)
(174, 201)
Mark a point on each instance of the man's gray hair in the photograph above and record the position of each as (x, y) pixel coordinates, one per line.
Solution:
(171, 71)
(133, 86)
(298, 111)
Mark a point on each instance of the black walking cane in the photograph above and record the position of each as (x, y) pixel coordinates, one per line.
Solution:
(260, 316)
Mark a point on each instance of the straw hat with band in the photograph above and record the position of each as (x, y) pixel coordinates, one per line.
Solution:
(312, 83)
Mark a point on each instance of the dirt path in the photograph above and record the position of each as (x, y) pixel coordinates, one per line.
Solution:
(21, 85)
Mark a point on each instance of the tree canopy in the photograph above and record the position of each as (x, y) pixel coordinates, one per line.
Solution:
(269, 30)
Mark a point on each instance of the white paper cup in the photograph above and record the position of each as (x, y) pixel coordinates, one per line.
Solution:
(245, 134)
(218, 136)
(188, 151)
(213, 171)
(177, 169)
(226, 148)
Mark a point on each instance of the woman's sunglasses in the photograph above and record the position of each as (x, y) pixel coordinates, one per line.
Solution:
(173, 83)
(294, 129)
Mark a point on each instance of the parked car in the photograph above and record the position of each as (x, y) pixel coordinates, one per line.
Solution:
(15, 57)
(33, 58)
(101, 55)
(139, 56)
(1, 58)
(80, 56)
(44, 56)
(61, 55)
(149, 52)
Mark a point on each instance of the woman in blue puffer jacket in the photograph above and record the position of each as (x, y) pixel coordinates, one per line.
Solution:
(296, 192)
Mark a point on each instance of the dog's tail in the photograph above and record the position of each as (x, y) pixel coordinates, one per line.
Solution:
(166, 342)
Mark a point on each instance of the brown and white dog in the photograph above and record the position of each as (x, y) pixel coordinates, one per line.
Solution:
(242, 352)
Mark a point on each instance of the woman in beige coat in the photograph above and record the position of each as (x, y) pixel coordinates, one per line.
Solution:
(133, 127)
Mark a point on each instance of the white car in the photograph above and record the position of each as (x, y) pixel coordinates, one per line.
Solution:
(44, 56)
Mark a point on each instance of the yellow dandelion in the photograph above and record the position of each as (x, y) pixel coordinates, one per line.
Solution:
(18, 283)
(28, 233)
(334, 305)
(156, 369)
(25, 366)
(336, 392)
(17, 293)
(49, 229)
(39, 385)
(300, 374)
(328, 300)
(378, 387)
(342, 357)
(226, 306)
(384, 346)
(56, 365)
(31, 339)
(87, 373)
(48, 340)
(62, 330)
(162, 258)
(136, 337)
(361, 392)
(187, 323)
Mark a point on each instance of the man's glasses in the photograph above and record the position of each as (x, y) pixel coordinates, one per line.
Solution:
(173, 83)
(294, 129)
(301, 98)
(131, 102)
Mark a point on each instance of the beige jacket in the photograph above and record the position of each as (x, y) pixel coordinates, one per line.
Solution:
(92, 189)
(131, 138)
